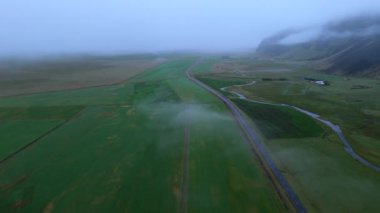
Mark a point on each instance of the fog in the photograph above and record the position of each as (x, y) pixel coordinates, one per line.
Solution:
(43, 27)
(362, 25)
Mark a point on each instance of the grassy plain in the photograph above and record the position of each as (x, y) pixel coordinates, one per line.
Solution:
(280, 121)
(324, 176)
(19, 77)
(11, 138)
(121, 149)
(350, 102)
(355, 110)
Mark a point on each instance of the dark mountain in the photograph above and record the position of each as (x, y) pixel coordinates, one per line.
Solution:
(350, 46)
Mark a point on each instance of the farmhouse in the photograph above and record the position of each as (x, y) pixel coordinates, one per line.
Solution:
(320, 82)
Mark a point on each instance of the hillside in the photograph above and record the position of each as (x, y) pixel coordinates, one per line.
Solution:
(350, 46)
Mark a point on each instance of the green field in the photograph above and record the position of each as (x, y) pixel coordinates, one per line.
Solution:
(349, 102)
(18, 77)
(220, 83)
(280, 122)
(11, 138)
(160, 143)
(121, 148)
(219, 180)
(309, 154)
(355, 110)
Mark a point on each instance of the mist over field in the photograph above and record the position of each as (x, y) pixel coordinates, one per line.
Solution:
(189, 106)
(42, 27)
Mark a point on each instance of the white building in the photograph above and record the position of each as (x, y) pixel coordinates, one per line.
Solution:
(320, 82)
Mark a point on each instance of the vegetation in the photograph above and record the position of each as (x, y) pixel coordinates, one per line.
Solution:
(279, 121)
(218, 83)
(56, 74)
(324, 176)
(355, 52)
(121, 148)
(310, 155)
(221, 180)
(11, 138)
(356, 111)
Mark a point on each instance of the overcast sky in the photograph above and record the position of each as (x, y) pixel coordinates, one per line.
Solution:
(114, 26)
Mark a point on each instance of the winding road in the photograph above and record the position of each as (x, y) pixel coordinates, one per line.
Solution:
(256, 142)
(335, 128)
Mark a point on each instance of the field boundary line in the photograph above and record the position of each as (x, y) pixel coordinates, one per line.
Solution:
(116, 83)
(185, 165)
(51, 130)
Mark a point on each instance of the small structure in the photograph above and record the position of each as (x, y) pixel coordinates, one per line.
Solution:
(316, 81)
(320, 82)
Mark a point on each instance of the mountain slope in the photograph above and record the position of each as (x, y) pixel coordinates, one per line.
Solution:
(351, 46)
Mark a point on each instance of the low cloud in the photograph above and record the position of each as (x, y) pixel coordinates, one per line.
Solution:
(355, 26)
(44, 27)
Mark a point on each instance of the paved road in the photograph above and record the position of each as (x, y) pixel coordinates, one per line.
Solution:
(257, 143)
(335, 128)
